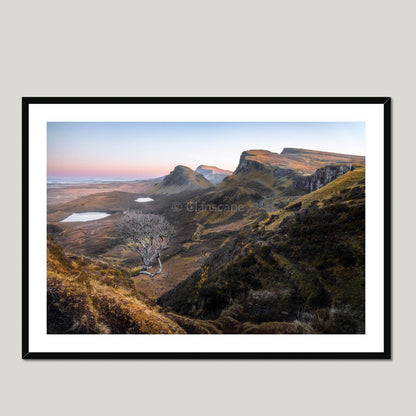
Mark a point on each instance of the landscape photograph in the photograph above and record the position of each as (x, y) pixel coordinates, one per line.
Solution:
(206, 228)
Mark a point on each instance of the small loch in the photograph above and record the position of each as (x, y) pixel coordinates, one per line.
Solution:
(144, 200)
(85, 216)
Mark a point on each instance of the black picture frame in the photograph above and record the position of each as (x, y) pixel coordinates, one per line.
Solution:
(385, 101)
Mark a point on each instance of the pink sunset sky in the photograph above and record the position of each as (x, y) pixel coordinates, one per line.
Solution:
(140, 150)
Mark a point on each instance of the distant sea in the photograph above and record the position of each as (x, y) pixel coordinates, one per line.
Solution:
(60, 182)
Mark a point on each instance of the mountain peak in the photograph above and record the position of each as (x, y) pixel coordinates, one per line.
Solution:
(262, 159)
(181, 169)
(214, 169)
(212, 173)
(181, 179)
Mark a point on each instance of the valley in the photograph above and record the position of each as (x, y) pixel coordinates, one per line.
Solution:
(277, 246)
(59, 194)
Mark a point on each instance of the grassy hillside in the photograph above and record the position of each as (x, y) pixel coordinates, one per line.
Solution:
(86, 297)
(348, 187)
(89, 297)
(317, 158)
(303, 266)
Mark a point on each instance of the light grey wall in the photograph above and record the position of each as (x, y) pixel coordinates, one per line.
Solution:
(203, 48)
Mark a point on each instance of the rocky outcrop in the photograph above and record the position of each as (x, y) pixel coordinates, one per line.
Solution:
(257, 159)
(322, 177)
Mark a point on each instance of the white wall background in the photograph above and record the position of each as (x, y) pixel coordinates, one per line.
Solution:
(215, 48)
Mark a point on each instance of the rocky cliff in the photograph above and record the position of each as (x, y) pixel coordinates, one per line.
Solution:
(322, 177)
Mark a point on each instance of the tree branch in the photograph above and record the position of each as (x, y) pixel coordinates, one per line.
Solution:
(144, 268)
(148, 235)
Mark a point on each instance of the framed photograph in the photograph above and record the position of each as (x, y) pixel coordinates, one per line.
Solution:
(206, 228)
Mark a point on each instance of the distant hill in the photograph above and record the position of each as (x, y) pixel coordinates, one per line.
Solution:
(316, 158)
(61, 194)
(181, 179)
(212, 173)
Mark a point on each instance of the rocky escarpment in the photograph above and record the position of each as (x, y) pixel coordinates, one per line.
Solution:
(301, 161)
(257, 159)
(322, 177)
(292, 172)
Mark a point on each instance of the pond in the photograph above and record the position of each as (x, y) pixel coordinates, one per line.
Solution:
(144, 199)
(85, 216)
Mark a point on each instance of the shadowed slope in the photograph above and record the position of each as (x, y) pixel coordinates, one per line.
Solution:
(181, 179)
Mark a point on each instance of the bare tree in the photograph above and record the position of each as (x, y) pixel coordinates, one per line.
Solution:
(148, 235)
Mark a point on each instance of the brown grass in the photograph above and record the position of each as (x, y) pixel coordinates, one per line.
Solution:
(233, 226)
(176, 269)
(92, 297)
(65, 194)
